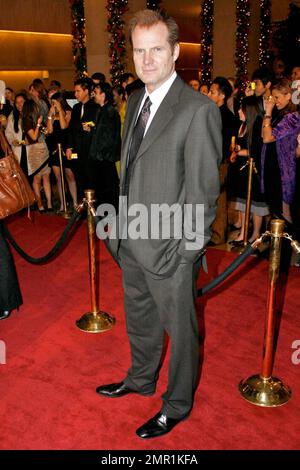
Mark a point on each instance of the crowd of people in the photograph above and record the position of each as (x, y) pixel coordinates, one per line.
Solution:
(37, 120)
(261, 121)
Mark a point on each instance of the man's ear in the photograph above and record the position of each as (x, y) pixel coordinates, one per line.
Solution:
(176, 52)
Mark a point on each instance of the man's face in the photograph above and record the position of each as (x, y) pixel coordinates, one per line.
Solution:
(80, 94)
(99, 96)
(295, 74)
(259, 88)
(127, 82)
(216, 95)
(153, 57)
(194, 84)
(204, 90)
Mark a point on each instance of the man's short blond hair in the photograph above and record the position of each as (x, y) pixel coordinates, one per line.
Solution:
(148, 18)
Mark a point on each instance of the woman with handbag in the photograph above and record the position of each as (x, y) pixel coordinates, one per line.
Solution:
(250, 144)
(37, 153)
(10, 294)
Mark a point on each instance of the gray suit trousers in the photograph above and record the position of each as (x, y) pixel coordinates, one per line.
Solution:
(152, 307)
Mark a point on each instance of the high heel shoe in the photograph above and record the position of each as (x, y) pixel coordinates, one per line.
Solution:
(236, 242)
(234, 228)
(4, 314)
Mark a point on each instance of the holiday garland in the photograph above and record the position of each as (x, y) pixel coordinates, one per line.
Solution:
(242, 43)
(117, 42)
(265, 33)
(206, 56)
(79, 39)
(153, 4)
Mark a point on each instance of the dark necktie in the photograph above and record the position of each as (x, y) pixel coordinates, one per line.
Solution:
(139, 130)
(137, 137)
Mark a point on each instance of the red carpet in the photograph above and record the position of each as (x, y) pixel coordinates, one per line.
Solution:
(47, 385)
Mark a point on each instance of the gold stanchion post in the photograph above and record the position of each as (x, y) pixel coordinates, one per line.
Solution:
(264, 389)
(94, 321)
(64, 213)
(251, 168)
(248, 201)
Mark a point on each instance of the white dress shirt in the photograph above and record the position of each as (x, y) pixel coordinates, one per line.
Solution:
(156, 98)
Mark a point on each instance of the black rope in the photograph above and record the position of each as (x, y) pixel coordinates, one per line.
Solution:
(53, 251)
(229, 270)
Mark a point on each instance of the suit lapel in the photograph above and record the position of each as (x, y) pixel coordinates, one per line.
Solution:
(162, 117)
(132, 111)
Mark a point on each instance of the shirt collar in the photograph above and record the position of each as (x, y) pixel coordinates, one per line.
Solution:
(157, 95)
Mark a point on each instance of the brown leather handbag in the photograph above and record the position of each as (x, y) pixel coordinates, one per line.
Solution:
(15, 190)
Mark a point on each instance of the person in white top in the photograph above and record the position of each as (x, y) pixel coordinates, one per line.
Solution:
(14, 131)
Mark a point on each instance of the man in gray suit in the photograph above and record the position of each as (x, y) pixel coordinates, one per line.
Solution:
(171, 150)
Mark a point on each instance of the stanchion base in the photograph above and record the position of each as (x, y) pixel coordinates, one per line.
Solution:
(239, 249)
(65, 214)
(265, 392)
(95, 322)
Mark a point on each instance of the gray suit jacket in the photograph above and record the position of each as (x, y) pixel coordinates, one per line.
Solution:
(177, 163)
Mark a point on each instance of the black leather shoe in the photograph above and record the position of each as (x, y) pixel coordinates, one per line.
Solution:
(157, 426)
(4, 314)
(115, 390)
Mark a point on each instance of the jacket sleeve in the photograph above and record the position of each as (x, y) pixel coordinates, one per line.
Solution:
(202, 155)
(71, 129)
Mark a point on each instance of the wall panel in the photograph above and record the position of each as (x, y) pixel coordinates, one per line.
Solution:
(52, 16)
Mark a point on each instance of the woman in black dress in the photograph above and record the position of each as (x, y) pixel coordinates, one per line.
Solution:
(10, 294)
(58, 122)
(250, 144)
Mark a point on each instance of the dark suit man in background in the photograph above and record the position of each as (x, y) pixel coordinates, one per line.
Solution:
(79, 132)
(170, 154)
(263, 79)
(220, 91)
